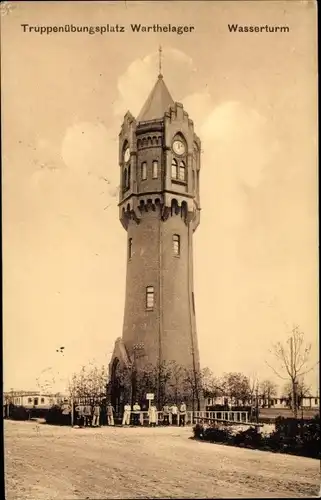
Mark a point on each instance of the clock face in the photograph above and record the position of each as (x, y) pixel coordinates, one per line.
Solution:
(126, 154)
(178, 147)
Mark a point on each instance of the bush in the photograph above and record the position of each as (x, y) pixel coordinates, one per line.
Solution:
(290, 436)
(55, 417)
(18, 413)
(249, 438)
(213, 434)
(297, 436)
(198, 431)
(217, 435)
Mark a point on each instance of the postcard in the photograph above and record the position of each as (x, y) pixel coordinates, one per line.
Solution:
(160, 249)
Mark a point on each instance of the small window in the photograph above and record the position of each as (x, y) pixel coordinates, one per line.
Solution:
(42, 400)
(315, 401)
(150, 297)
(155, 169)
(176, 244)
(29, 400)
(174, 169)
(144, 171)
(182, 171)
(36, 401)
(130, 248)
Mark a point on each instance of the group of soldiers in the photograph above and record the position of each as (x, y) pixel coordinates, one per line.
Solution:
(89, 415)
(171, 414)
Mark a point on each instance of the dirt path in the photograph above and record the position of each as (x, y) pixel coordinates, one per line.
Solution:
(45, 462)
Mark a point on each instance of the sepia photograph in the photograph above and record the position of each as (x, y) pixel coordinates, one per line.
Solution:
(160, 249)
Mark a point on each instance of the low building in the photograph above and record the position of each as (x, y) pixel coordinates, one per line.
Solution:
(312, 402)
(33, 399)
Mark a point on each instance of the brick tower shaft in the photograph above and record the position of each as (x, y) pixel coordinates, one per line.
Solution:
(159, 207)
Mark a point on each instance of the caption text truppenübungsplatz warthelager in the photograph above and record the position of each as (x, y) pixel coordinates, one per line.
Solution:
(108, 28)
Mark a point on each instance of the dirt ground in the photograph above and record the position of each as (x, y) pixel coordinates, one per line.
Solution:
(44, 462)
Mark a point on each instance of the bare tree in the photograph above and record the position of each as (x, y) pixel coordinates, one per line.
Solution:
(268, 389)
(302, 391)
(146, 382)
(253, 383)
(211, 385)
(89, 383)
(192, 383)
(175, 387)
(293, 362)
(236, 386)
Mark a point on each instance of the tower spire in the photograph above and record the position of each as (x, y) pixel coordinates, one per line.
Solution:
(160, 62)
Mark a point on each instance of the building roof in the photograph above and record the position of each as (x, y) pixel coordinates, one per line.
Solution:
(157, 102)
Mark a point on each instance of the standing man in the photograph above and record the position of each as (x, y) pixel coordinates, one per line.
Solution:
(126, 415)
(152, 415)
(80, 414)
(87, 415)
(182, 414)
(66, 412)
(174, 412)
(136, 412)
(166, 414)
(96, 415)
(110, 414)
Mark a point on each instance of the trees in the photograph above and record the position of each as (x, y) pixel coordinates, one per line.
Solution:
(169, 382)
(236, 386)
(293, 362)
(89, 383)
(175, 387)
(267, 389)
(192, 383)
(302, 391)
(211, 385)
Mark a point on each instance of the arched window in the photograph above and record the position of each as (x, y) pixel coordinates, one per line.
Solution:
(174, 169)
(150, 297)
(130, 248)
(176, 245)
(155, 169)
(193, 179)
(182, 171)
(144, 171)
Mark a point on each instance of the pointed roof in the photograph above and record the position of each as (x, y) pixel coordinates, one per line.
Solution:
(157, 102)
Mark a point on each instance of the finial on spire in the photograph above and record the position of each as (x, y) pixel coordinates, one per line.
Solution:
(160, 62)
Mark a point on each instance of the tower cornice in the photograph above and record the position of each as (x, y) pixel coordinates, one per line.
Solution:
(155, 193)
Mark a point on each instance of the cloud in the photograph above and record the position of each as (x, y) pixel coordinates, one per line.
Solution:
(237, 138)
(198, 106)
(135, 84)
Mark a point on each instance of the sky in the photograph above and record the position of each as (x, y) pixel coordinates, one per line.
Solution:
(253, 100)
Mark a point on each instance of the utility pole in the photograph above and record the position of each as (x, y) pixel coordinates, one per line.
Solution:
(257, 403)
(293, 381)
